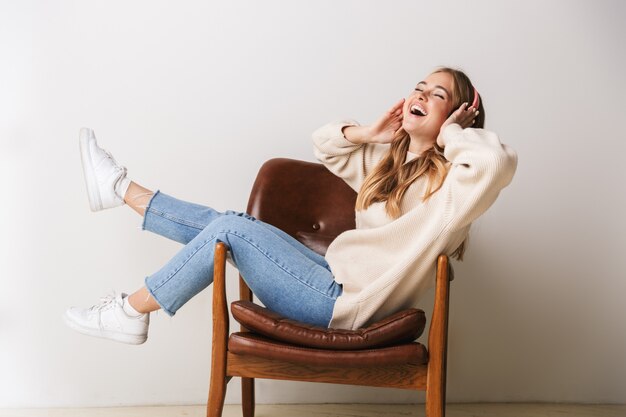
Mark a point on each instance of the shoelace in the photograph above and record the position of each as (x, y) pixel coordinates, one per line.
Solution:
(107, 153)
(117, 166)
(120, 171)
(105, 302)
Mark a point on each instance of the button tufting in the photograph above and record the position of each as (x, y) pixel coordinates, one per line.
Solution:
(316, 226)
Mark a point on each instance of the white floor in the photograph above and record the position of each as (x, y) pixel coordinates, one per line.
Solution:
(337, 410)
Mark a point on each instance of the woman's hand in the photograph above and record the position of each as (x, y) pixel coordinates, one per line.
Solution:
(385, 128)
(382, 131)
(462, 116)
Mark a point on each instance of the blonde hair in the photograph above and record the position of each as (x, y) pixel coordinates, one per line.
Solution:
(392, 177)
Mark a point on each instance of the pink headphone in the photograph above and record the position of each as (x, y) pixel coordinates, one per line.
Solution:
(476, 101)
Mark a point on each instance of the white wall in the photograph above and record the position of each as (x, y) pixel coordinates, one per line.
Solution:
(193, 96)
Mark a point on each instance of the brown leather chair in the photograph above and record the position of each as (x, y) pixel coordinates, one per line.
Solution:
(310, 203)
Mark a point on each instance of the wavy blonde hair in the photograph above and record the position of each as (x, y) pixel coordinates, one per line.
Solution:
(391, 177)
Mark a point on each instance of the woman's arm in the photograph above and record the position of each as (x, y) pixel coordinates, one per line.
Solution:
(342, 157)
(356, 134)
(350, 150)
(481, 167)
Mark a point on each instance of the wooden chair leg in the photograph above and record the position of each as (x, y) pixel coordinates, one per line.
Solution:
(438, 343)
(436, 400)
(247, 396)
(217, 393)
(247, 384)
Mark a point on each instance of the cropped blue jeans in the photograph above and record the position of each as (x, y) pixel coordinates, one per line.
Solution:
(288, 277)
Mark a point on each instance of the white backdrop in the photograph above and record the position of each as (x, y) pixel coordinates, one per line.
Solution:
(193, 96)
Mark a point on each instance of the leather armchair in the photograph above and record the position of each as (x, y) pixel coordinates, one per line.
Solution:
(310, 203)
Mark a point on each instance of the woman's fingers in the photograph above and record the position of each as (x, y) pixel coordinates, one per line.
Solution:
(465, 116)
(391, 120)
(396, 109)
(399, 104)
(393, 115)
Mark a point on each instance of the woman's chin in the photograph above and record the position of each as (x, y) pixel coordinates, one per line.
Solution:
(416, 131)
(410, 127)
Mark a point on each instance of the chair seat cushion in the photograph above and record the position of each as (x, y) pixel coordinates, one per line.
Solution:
(402, 327)
(248, 343)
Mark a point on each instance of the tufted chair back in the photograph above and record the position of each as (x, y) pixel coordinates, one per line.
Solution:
(303, 199)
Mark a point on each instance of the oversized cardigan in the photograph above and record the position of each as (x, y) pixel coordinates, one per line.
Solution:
(385, 264)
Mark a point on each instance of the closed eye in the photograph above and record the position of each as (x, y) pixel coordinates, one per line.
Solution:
(438, 95)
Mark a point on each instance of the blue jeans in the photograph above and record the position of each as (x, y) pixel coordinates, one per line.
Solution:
(288, 277)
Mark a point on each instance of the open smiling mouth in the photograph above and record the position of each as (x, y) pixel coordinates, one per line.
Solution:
(416, 111)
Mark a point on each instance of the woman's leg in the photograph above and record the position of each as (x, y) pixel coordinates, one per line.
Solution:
(108, 186)
(142, 301)
(282, 277)
(138, 197)
(181, 221)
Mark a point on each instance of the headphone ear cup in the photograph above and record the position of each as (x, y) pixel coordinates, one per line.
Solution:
(476, 101)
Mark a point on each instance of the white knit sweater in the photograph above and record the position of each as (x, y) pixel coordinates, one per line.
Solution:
(386, 265)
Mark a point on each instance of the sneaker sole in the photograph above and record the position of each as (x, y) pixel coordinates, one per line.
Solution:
(95, 202)
(105, 334)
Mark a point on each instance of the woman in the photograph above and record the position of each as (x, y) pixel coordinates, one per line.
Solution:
(423, 171)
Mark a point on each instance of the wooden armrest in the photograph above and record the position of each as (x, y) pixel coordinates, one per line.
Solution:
(220, 305)
(220, 314)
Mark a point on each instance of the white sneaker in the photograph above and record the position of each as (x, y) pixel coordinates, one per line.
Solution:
(109, 320)
(105, 179)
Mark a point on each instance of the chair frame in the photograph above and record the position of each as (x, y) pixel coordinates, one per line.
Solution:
(430, 377)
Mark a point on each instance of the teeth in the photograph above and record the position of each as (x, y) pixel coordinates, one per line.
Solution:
(415, 109)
